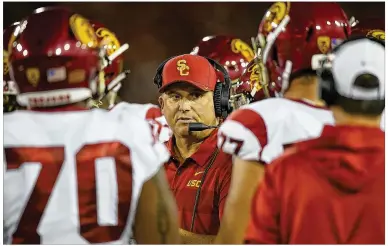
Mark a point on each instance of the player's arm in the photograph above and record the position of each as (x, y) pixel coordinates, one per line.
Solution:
(156, 220)
(246, 177)
(243, 136)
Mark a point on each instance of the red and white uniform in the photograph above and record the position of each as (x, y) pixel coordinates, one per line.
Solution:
(150, 112)
(260, 131)
(74, 177)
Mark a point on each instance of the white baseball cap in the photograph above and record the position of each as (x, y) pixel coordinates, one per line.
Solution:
(354, 58)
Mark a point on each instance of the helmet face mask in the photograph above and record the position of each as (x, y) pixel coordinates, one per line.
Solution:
(240, 99)
(253, 85)
(113, 74)
(10, 88)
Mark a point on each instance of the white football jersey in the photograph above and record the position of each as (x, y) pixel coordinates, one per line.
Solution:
(75, 177)
(149, 112)
(260, 131)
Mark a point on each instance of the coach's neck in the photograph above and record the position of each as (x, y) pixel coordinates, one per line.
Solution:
(186, 146)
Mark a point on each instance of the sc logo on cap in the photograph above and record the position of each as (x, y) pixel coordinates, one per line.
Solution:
(182, 68)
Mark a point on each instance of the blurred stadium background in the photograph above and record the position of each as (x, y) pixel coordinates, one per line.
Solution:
(156, 31)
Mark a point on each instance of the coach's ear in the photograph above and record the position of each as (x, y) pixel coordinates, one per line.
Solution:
(161, 101)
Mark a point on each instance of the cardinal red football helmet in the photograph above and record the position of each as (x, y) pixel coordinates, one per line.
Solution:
(54, 57)
(291, 34)
(10, 88)
(250, 87)
(231, 52)
(370, 27)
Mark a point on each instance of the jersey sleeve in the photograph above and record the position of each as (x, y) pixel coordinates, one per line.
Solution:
(153, 112)
(243, 134)
(165, 132)
(147, 154)
(160, 129)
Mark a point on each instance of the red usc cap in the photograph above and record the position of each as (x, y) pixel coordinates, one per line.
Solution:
(192, 69)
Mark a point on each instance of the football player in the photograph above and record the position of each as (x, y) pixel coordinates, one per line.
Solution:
(231, 52)
(113, 75)
(75, 175)
(371, 28)
(10, 89)
(330, 190)
(292, 35)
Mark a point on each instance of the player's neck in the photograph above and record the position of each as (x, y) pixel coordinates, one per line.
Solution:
(185, 147)
(342, 119)
(304, 88)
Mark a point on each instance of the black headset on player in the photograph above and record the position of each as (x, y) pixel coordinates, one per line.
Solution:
(326, 79)
(221, 92)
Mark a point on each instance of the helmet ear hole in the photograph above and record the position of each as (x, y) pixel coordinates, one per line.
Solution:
(310, 33)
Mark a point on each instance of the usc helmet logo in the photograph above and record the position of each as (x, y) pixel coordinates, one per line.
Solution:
(275, 15)
(108, 39)
(324, 44)
(377, 33)
(255, 77)
(182, 68)
(239, 46)
(33, 76)
(83, 31)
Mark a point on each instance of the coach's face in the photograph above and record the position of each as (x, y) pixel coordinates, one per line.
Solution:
(182, 103)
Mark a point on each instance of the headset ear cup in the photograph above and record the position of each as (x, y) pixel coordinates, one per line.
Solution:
(157, 79)
(225, 103)
(221, 92)
(217, 99)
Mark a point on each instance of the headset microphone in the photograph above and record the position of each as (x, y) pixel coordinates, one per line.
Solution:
(197, 127)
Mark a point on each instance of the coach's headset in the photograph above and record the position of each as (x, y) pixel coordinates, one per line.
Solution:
(221, 96)
(326, 78)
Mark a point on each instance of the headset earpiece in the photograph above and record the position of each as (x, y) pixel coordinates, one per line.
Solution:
(158, 79)
(221, 95)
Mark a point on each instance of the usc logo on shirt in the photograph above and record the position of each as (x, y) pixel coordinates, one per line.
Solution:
(194, 183)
